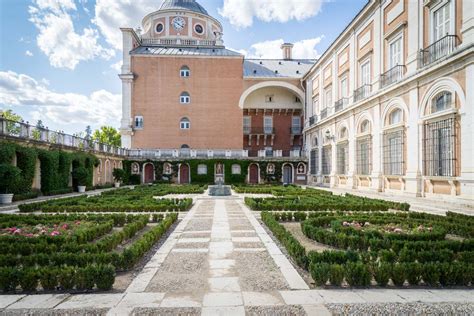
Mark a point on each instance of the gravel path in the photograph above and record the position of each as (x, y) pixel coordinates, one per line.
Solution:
(402, 309)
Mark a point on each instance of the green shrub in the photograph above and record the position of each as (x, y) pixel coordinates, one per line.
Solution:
(336, 274)
(413, 273)
(357, 274)
(398, 274)
(85, 278)
(28, 280)
(8, 279)
(49, 278)
(319, 273)
(10, 176)
(382, 274)
(105, 277)
(81, 175)
(430, 274)
(66, 278)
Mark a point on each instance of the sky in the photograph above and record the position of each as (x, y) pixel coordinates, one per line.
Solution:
(59, 59)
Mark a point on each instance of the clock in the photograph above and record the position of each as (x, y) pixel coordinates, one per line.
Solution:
(178, 23)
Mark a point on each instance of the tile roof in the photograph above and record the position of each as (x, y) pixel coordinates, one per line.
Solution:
(277, 68)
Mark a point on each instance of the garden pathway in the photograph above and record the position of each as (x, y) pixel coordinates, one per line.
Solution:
(219, 260)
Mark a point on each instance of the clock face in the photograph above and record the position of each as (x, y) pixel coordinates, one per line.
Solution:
(178, 23)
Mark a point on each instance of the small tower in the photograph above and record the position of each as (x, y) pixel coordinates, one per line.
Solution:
(287, 49)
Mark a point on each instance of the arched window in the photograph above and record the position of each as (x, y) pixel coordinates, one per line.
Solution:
(315, 142)
(441, 102)
(184, 146)
(185, 72)
(185, 123)
(185, 98)
(395, 117)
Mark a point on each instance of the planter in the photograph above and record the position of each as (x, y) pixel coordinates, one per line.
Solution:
(117, 184)
(6, 198)
(81, 188)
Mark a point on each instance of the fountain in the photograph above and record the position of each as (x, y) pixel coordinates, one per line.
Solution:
(220, 189)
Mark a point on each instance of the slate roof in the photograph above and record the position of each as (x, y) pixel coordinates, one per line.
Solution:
(190, 5)
(184, 51)
(276, 68)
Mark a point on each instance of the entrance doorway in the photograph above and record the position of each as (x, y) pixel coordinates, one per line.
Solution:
(253, 174)
(287, 174)
(184, 174)
(149, 173)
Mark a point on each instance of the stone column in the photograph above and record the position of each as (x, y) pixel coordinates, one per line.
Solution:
(467, 144)
(376, 175)
(129, 37)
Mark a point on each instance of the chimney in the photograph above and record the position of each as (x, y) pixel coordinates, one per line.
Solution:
(287, 49)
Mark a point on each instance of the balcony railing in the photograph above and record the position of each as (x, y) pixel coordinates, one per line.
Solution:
(313, 120)
(439, 49)
(296, 130)
(179, 42)
(25, 131)
(269, 130)
(259, 130)
(324, 113)
(392, 75)
(362, 92)
(341, 104)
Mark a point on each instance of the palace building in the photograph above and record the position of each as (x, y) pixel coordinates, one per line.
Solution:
(388, 107)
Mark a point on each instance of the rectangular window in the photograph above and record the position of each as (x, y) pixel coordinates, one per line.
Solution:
(138, 121)
(314, 161)
(247, 124)
(442, 22)
(342, 158)
(316, 104)
(343, 88)
(268, 124)
(395, 53)
(185, 99)
(328, 97)
(326, 160)
(185, 73)
(364, 156)
(365, 73)
(393, 153)
(439, 146)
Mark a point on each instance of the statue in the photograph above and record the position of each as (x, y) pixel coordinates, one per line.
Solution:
(219, 168)
(271, 169)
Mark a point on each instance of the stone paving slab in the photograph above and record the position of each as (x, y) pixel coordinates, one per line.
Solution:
(6, 300)
(39, 301)
(91, 301)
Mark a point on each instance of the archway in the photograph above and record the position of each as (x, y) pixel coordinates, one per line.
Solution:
(287, 174)
(253, 174)
(184, 177)
(149, 173)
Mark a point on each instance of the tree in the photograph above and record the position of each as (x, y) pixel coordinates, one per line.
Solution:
(37, 131)
(107, 135)
(12, 128)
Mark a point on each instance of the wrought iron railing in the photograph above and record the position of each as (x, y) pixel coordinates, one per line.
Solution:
(362, 92)
(25, 131)
(341, 104)
(296, 130)
(392, 75)
(324, 113)
(439, 49)
(313, 120)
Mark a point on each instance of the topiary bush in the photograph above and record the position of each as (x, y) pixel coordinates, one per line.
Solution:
(10, 176)
(357, 274)
(382, 274)
(336, 274)
(320, 273)
(105, 277)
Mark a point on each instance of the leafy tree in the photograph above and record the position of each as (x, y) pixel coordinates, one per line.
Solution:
(12, 128)
(36, 132)
(107, 135)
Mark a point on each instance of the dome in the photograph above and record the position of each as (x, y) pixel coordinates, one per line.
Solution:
(190, 5)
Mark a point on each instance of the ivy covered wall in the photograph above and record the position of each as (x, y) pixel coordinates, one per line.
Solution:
(55, 166)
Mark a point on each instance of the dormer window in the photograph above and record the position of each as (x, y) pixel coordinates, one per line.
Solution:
(185, 72)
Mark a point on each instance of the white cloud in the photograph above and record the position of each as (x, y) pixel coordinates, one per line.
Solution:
(117, 66)
(242, 12)
(111, 15)
(63, 109)
(57, 36)
(305, 49)
(28, 53)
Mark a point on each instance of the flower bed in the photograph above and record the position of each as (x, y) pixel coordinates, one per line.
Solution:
(83, 256)
(375, 248)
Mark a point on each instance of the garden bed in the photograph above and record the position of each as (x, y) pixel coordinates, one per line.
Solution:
(73, 253)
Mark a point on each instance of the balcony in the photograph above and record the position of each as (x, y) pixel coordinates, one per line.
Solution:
(439, 49)
(341, 104)
(313, 120)
(268, 130)
(176, 42)
(324, 113)
(393, 75)
(362, 92)
(259, 130)
(296, 130)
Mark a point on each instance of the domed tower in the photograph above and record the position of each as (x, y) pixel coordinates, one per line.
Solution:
(181, 22)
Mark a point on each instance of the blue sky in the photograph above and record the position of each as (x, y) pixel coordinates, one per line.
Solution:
(57, 57)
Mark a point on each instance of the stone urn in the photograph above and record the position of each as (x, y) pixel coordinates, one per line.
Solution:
(117, 184)
(6, 198)
(81, 189)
